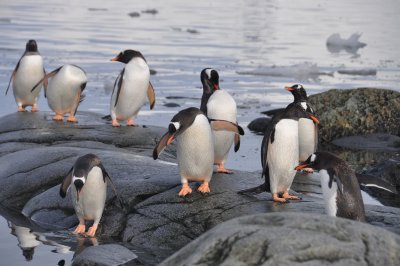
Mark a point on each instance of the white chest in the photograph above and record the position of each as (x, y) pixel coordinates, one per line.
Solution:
(329, 193)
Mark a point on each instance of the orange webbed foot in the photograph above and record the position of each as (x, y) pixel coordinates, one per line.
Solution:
(80, 229)
(130, 122)
(72, 119)
(185, 190)
(34, 108)
(287, 196)
(276, 198)
(58, 117)
(21, 109)
(115, 123)
(222, 169)
(92, 231)
(204, 188)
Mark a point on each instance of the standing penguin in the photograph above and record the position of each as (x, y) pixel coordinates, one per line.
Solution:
(220, 105)
(130, 88)
(89, 187)
(340, 187)
(64, 92)
(308, 127)
(28, 71)
(195, 149)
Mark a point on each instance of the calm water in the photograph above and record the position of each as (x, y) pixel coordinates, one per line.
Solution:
(258, 47)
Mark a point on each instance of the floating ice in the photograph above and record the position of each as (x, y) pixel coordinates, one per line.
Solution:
(335, 43)
(301, 71)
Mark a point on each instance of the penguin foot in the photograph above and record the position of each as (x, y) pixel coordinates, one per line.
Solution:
(185, 190)
(204, 188)
(80, 229)
(287, 196)
(276, 198)
(130, 122)
(222, 169)
(92, 231)
(58, 117)
(72, 119)
(21, 109)
(34, 108)
(115, 123)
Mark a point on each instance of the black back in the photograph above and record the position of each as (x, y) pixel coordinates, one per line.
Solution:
(209, 86)
(186, 118)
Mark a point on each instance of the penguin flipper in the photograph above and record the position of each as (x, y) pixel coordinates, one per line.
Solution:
(106, 175)
(226, 125)
(333, 176)
(164, 141)
(151, 95)
(66, 183)
(237, 142)
(46, 78)
(13, 75)
(120, 79)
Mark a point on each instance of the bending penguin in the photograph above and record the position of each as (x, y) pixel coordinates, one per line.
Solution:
(340, 187)
(195, 147)
(88, 179)
(64, 91)
(308, 126)
(130, 88)
(28, 72)
(220, 105)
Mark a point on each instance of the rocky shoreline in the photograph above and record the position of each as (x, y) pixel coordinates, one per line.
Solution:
(36, 153)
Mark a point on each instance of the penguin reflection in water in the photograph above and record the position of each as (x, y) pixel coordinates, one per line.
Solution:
(28, 71)
(219, 104)
(130, 88)
(340, 186)
(88, 179)
(64, 91)
(195, 146)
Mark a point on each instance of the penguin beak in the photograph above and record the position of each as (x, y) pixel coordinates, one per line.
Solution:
(78, 192)
(289, 88)
(114, 59)
(314, 119)
(302, 166)
(216, 87)
(171, 139)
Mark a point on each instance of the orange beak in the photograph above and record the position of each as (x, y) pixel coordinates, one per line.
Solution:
(170, 139)
(314, 119)
(216, 87)
(301, 166)
(114, 59)
(290, 88)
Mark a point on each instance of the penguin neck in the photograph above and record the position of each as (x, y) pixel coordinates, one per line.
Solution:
(204, 101)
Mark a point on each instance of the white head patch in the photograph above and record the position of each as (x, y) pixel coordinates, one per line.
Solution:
(304, 105)
(78, 178)
(208, 72)
(313, 156)
(177, 125)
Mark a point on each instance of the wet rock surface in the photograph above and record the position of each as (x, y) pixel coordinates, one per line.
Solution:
(287, 238)
(104, 255)
(36, 153)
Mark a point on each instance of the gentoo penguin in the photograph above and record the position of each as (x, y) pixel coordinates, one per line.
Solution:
(280, 153)
(340, 187)
(64, 92)
(308, 127)
(130, 88)
(89, 186)
(220, 105)
(195, 146)
(28, 71)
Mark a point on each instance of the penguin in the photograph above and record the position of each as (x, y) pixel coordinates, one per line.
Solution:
(340, 188)
(130, 88)
(195, 146)
(27, 240)
(88, 179)
(308, 127)
(219, 104)
(28, 71)
(64, 91)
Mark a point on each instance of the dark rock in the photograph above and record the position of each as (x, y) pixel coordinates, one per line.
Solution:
(259, 124)
(152, 11)
(192, 31)
(358, 72)
(104, 255)
(134, 14)
(171, 105)
(375, 142)
(290, 238)
(354, 112)
(153, 72)
(273, 111)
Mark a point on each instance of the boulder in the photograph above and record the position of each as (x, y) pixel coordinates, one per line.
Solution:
(357, 112)
(290, 238)
(259, 125)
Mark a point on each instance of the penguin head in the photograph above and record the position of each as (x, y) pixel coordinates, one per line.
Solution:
(319, 161)
(127, 55)
(210, 79)
(31, 46)
(28, 253)
(298, 92)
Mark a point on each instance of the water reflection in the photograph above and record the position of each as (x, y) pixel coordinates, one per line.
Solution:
(27, 239)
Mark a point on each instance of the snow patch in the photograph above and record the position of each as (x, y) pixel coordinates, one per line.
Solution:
(335, 43)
